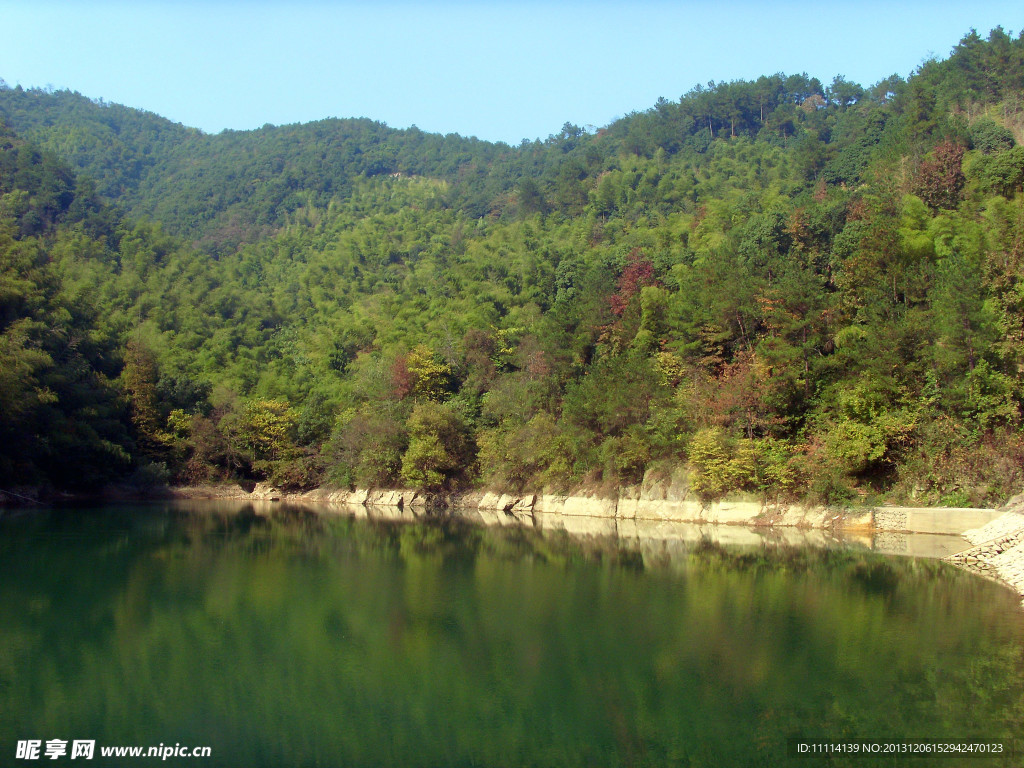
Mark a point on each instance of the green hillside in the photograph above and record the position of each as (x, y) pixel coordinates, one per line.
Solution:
(792, 289)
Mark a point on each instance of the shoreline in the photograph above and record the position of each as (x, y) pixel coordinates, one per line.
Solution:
(654, 504)
(995, 537)
(998, 548)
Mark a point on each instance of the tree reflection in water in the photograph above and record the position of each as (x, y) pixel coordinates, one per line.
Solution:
(299, 638)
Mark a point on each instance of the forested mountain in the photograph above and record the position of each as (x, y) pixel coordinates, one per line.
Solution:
(58, 394)
(791, 289)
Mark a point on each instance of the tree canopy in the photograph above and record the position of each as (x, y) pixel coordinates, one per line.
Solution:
(792, 289)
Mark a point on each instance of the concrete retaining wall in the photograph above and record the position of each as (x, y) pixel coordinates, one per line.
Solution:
(949, 520)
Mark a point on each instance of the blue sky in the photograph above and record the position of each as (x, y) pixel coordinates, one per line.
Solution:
(502, 71)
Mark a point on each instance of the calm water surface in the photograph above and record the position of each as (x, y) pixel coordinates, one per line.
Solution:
(302, 639)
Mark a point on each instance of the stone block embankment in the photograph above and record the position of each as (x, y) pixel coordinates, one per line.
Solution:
(998, 550)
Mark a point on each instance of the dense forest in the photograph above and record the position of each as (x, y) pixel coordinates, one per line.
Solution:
(797, 290)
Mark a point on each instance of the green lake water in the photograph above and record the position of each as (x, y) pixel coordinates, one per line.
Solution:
(306, 639)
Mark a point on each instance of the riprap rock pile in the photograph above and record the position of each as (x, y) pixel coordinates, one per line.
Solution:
(998, 550)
